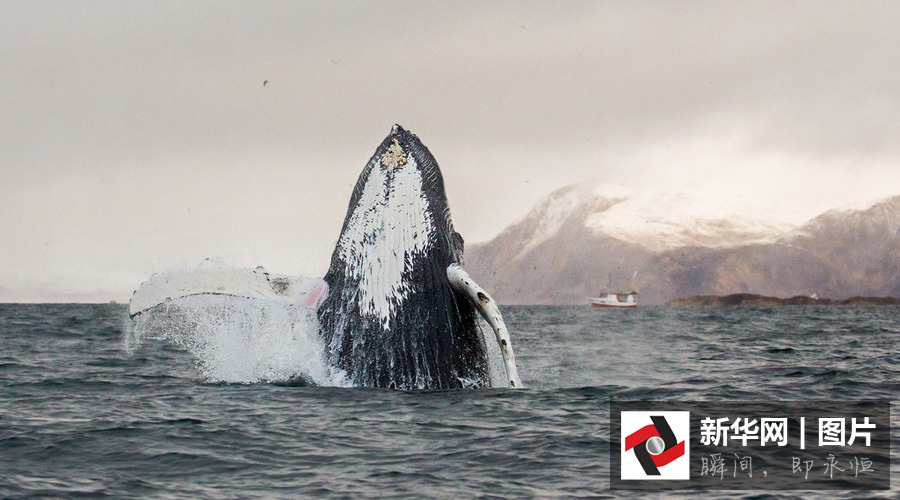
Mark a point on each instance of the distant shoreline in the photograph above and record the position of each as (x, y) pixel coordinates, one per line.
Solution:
(749, 299)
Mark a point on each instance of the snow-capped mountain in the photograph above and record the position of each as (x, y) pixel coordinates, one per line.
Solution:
(676, 244)
(655, 220)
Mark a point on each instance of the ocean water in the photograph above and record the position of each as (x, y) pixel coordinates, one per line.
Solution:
(92, 408)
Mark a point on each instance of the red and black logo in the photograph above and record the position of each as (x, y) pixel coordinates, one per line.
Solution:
(654, 445)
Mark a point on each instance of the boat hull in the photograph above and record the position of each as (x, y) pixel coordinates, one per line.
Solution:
(595, 304)
(614, 300)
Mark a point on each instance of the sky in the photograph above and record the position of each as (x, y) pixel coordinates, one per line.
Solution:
(138, 137)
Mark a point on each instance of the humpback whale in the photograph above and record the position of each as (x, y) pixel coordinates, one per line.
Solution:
(395, 308)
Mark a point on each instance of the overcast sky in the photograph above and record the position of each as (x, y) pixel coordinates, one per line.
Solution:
(137, 137)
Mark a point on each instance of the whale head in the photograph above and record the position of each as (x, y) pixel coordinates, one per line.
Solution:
(391, 318)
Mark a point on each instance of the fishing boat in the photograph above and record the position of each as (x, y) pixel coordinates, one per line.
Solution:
(607, 299)
(619, 299)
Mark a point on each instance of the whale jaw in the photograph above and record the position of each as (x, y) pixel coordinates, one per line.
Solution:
(391, 318)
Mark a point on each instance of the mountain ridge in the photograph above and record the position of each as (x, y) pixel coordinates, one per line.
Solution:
(567, 247)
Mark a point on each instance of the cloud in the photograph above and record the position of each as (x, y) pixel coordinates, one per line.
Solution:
(136, 137)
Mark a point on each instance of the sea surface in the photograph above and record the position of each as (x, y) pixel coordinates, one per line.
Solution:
(91, 409)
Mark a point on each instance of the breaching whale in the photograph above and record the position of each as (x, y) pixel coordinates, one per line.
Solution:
(395, 309)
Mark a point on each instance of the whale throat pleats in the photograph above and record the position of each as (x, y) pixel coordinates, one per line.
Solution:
(391, 318)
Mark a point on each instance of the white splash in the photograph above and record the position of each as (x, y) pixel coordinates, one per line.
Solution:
(391, 224)
(239, 340)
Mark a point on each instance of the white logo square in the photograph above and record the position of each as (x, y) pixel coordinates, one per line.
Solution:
(656, 445)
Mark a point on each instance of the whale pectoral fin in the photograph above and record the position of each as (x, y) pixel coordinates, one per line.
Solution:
(211, 278)
(463, 283)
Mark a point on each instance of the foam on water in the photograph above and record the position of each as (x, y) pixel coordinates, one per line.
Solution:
(240, 340)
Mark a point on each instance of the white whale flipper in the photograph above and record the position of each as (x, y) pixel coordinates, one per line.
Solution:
(463, 283)
(213, 278)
